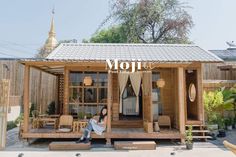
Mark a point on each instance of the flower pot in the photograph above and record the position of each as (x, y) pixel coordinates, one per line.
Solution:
(221, 133)
(189, 146)
(229, 127)
(234, 126)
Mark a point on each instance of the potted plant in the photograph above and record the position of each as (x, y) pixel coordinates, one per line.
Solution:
(228, 123)
(189, 138)
(221, 124)
(81, 115)
(234, 122)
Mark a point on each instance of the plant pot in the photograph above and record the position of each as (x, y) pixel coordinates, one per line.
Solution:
(212, 127)
(229, 127)
(221, 133)
(235, 126)
(189, 146)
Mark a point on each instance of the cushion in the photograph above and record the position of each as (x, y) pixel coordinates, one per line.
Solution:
(64, 130)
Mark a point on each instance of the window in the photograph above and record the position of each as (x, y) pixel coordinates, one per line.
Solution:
(87, 99)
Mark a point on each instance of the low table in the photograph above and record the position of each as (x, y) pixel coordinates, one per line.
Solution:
(78, 125)
(52, 121)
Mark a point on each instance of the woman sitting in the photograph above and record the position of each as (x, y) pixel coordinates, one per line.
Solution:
(97, 125)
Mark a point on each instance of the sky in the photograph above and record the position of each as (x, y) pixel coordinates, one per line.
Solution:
(24, 24)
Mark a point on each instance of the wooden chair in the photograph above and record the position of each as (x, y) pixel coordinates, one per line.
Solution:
(65, 123)
(230, 146)
(164, 120)
(35, 122)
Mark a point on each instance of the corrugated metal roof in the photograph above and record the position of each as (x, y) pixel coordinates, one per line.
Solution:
(132, 52)
(227, 55)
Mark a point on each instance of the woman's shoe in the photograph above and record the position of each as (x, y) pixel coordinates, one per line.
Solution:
(80, 140)
(86, 140)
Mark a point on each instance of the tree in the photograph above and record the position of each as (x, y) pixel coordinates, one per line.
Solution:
(152, 21)
(115, 34)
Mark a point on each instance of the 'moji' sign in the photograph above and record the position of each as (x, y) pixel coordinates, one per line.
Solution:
(124, 66)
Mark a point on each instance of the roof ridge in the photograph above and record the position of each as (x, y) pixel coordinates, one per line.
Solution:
(126, 44)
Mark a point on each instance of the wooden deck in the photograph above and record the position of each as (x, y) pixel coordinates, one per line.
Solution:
(124, 133)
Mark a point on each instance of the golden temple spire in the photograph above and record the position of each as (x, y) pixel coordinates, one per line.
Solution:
(51, 41)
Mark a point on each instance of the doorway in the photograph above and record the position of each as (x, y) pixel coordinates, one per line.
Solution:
(191, 94)
(129, 99)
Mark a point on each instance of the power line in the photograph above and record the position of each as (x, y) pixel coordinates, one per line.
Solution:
(9, 55)
(17, 44)
(17, 50)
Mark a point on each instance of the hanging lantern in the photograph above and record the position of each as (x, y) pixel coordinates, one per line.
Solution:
(160, 83)
(88, 81)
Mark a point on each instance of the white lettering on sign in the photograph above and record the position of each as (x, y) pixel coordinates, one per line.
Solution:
(123, 66)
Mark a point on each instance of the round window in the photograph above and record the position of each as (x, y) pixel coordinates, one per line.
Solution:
(192, 93)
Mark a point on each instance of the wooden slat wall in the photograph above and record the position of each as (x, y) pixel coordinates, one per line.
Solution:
(211, 85)
(115, 94)
(212, 72)
(47, 88)
(168, 97)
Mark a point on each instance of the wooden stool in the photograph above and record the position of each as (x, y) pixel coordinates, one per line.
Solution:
(69, 146)
(135, 145)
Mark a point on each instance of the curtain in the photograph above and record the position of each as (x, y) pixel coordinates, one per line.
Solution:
(123, 78)
(135, 79)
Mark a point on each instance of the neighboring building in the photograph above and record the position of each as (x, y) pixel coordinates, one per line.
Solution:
(218, 75)
(170, 85)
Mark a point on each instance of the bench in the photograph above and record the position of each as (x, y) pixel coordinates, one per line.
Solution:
(69, 146)
(135, 145)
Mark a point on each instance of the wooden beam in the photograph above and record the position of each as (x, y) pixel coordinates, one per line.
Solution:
(26, 98)
(66, 91)
(181, 98)
(38, 68)
(109, 103)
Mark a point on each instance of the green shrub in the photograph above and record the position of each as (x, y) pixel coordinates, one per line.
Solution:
(11, 125)
(32, 108)
(51, 108)
(19, 119)
(212, 102)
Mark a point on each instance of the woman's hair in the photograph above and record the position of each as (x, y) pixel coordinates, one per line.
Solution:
(101, 117)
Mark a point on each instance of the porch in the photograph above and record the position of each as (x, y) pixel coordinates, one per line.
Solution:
(169, 100)
(116, 133)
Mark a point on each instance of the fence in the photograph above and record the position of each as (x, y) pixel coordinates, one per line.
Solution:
(43, 86)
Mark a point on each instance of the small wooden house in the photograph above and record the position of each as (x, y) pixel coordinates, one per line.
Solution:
(137, 82)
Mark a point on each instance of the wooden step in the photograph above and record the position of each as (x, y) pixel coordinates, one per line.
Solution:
(127, 124)
(69, 146)
(135, 145)
(200, 131)
(202, 137)
(202, 125)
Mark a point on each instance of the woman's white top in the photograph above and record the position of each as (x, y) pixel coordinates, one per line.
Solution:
(98, 129)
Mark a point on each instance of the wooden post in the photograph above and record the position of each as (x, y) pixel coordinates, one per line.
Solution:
(26, 98)
(66, 91)
(4, 103)
(181, 103)
(200, 94)
(109, 103)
